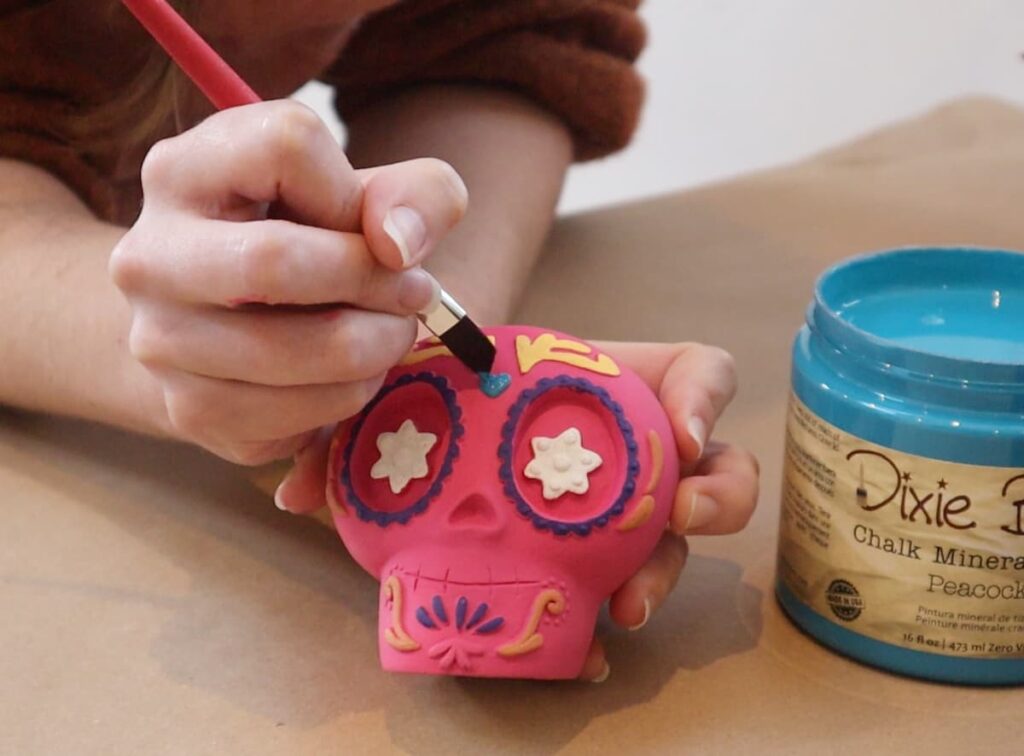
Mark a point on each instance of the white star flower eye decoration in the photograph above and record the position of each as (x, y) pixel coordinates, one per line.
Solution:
(562, 463)
(403, 456)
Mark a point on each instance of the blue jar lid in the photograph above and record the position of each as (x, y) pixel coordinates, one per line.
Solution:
(945, 319)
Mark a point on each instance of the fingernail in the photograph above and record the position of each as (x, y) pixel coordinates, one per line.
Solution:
(647, 615)
(703, 509)
(606, 672)
(698, 432)
(419, 291)
(278, 499)
(407, 230)
(457, 184)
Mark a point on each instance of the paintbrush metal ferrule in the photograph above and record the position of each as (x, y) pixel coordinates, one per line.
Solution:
(444, 315)
(450, 323)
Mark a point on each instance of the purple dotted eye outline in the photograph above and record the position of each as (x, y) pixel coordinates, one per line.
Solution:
(383, 519)
(506, 448)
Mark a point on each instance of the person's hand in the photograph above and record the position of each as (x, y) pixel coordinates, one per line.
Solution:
(271, 284)
(718, 485)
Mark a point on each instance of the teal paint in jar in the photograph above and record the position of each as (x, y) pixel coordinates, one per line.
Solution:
(902, 529)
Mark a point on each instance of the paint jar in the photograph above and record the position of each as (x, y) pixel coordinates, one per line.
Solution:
(902, 527)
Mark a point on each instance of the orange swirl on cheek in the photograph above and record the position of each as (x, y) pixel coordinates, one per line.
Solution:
(334, 503)
(396, 636)
(550, 601)
(657, 460)
(643, 511)
(641, 514)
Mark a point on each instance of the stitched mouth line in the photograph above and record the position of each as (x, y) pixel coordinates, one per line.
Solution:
(417, 576)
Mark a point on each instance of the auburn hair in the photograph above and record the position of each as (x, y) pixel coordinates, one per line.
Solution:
(144, 109)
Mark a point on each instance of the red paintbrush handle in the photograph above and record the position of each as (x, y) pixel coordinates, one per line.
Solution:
(197, 59)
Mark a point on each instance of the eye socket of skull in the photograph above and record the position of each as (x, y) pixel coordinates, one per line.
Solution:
(552, 407)
(430, 403)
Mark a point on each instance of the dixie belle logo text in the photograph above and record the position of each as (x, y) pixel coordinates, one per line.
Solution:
(936, 505)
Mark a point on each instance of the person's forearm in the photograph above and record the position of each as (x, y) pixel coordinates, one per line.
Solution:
(65, 325)
(513, 157)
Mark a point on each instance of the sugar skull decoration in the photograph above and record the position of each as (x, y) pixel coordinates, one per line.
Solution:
(500, 512)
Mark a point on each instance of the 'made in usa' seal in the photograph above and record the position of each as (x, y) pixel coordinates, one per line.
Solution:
(844, 600)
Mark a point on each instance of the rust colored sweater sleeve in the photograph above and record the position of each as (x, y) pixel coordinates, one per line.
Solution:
(48, 77)
(574, 57)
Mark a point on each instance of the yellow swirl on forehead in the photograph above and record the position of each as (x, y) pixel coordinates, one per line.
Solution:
(438, 349)
(548, 348)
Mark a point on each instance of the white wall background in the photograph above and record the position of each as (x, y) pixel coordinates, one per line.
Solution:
(737, 85)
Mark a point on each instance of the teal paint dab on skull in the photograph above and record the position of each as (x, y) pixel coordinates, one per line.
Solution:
(494, 384)
(902, 529)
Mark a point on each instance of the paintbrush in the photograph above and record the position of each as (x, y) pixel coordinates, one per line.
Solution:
(226, 89)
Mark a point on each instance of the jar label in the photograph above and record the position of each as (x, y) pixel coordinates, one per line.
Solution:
(920, 553)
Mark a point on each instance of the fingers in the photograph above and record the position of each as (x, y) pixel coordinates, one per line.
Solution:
(632, 605)
(698, 386)
(269, 262)
(694, 382)
(233, 419)
(303, 489)
(595, 668)
(409, 207)
(720, 496)
(258, 205)
(238, 159)
(280, 154)
(270, 346)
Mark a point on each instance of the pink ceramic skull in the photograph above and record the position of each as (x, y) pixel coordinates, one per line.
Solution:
(498, 522)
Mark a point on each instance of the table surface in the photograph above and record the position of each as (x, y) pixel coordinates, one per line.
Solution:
(154, 600)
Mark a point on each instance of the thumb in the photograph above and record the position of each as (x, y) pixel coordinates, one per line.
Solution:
(303, 489)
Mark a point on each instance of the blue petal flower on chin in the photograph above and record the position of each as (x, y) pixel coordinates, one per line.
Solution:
(436, 617)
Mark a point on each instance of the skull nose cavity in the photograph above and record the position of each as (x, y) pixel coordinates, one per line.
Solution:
(474, 511)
